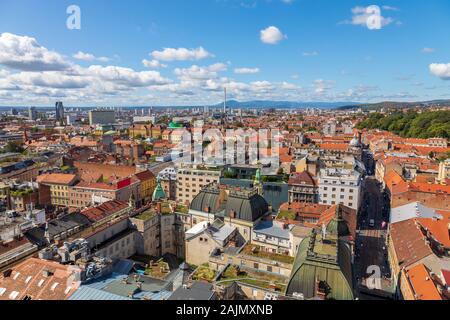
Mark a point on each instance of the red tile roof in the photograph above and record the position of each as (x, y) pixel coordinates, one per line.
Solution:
(409, 243)
(302, 178)
(56, 178)
(39, 280)
(422, 284)
(104, 210)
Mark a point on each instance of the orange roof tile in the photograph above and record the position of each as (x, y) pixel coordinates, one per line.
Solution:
(422, 284)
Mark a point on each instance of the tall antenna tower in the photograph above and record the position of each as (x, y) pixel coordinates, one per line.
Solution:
(225, 100)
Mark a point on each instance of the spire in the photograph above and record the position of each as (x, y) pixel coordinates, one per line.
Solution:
(257, 181)
(46, 232)
(158, 193)
(132, 203)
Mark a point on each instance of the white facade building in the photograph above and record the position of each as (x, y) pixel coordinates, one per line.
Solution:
(340, 186)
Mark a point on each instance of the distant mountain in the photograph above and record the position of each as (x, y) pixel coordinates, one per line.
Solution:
(283, 104)
(395, 104)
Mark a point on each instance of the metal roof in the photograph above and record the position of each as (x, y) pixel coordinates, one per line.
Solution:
(411, 211)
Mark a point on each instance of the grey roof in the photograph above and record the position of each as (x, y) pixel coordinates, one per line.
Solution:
(57, 226)
(114, 285)
(270, 229)
(206, 199)
(88, 293)
(246, 208)
(247, 204)
(410, 211)
(221, 233)
(275, 193)
(197, 291)
(123, 266)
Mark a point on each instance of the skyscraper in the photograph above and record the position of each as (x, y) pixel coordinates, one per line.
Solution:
(32, 113)
(59, 108)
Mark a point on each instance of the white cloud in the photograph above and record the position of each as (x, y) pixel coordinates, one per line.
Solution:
(196, 73)
(440, 70)
(246, 70)
(153, 64)
(389, 8)
(181, 54)
(50, 79)
(127, 76)
(272, 35)
(322, 86)
(89, 57)
(428, 50)
(310, 54)
(24, 53)
(289, 86)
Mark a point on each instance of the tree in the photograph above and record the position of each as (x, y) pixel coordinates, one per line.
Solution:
(14, 147)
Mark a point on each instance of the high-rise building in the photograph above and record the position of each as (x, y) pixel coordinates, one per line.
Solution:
(32, 113)
(102, 117)
(59, 110)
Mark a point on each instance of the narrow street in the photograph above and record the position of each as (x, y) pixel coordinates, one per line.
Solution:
(371, 250)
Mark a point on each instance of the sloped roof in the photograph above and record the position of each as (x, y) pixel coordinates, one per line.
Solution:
(56, 178)
(410, 211)
(104, 210)
(302, 178)
(422, 283)
(27, 279)
(439, 228)
(409, 242)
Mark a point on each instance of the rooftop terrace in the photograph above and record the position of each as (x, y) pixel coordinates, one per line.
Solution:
(256, 251)
(253, 277)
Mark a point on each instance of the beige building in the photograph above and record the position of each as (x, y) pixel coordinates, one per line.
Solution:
(159, 231)
(204, 238)
(56, 185)
(192, 179)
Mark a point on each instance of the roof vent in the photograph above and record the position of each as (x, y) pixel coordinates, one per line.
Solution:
(7, 273)
(47, 273)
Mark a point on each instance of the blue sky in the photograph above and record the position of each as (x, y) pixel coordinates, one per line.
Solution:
(184, 52)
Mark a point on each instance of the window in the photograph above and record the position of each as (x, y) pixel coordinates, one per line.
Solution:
(269, 268)
(350, 204)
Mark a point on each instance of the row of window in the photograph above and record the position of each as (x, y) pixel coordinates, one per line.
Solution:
(334, 189)
(333, 196)
(342, 182)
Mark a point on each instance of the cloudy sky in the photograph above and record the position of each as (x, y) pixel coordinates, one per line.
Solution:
(184, 52)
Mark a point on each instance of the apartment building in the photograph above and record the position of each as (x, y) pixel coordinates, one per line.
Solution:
(340, 186)
(191, 180)
(54, 188)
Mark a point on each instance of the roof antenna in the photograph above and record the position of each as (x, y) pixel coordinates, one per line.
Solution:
(324, 231)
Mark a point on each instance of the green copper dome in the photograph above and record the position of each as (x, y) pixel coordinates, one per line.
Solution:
(158, 193)
(338, 226)
(174, 125)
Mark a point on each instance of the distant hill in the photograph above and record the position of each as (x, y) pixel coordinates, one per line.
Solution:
(395, 104)
(283, 104)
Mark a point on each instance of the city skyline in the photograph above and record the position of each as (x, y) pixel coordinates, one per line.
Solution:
(185, 53)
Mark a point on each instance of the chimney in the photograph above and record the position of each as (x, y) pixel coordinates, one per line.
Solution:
(158, 207)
